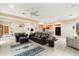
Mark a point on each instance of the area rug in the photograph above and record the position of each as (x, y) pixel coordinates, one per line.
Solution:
(16, 45)
(32, 52)
(24, 47)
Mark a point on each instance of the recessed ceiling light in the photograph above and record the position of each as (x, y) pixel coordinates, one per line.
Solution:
(12, 6)
(41, 23)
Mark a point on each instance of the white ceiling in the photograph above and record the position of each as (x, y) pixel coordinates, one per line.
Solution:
(48, 12)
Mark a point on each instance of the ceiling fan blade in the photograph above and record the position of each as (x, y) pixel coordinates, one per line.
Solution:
(37, 15)
(34, 14)
(37, 11)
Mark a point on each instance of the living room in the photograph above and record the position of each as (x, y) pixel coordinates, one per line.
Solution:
(24, 30)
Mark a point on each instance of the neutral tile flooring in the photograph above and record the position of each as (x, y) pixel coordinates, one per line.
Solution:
(60, 49)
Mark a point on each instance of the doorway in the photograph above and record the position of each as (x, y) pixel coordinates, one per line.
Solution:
(58, 31)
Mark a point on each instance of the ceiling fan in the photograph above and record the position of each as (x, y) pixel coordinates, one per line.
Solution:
(32, 12)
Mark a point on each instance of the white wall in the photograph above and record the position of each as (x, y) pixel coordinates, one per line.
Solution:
(16, 21)
(67, 27)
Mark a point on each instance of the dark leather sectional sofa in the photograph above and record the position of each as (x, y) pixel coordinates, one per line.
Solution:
(39, 37)
(21, 37)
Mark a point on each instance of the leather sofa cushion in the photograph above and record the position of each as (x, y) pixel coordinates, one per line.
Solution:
(39, 35)
(42, 35)
(36, 35)
(36, 38)
(21, 34)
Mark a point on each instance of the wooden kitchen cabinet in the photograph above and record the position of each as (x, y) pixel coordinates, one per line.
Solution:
(3, 30)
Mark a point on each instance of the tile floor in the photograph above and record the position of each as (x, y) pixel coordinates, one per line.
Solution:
(60, 49)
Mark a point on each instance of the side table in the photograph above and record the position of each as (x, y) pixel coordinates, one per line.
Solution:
(51, 43)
